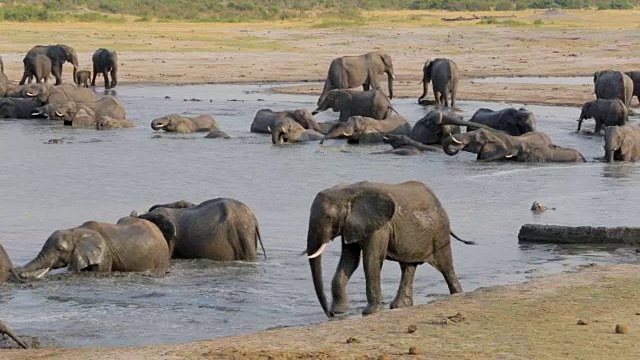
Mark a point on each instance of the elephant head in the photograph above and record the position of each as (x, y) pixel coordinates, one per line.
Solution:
(343, 130)
(585, 113)
(615, 143)
(523, 122)
(66, 111)
(426, 78)
(286, 130)
(304, 118)
(72, 57)
(167, 123)
(40, 92)
(165, 219)
(472, 141)
(336, 100)
(383, 61)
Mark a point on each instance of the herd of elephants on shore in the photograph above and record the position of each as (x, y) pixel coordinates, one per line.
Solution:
(402, 222)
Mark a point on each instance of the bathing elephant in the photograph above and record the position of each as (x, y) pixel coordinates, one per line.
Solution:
(265, 118)
(403, 145)
(534, 152)
(622, 143)
(444, 74)
(109, 123)
(131, 244)
(489, 144)
(401, 222)
(218, 229)
(361, 129)
(58, 54)
(38, 66)
(4, 330)
(89, 112)
(17, 108)
(635, 77)
(611, 84)
(607, 112)
(286, 130)
(182, 124)
(348, 72)
(82, 78)
(510, 120)
(435, 126)
(374, 104)
(105, 62)
(56, 95)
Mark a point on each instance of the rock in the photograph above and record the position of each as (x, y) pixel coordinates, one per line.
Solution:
(353, 340)
(622, 329)
(580, 322)
(457, 318)
(414, 351)
(384, 357)
(412, 328)
(557, 234)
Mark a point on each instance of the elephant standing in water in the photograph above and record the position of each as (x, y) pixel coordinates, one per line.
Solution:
(374, 104)
(38, 66)
(510, 120)
(611, 84)
(348, 72)
(488, 143)
(219, 229)
(534, 152)
(58, 54)
(105, 62)
(622, 143)
(181, 124)
(286, 130)
(607, 112)
(444, 74)
(361, 129)
(265, 118)
(403, 222)
(83, 78)
(635, 77)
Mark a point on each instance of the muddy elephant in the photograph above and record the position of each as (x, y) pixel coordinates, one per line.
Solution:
(489, 144)
(87, 113)
(105, 62)
(109, 123)
(17, 108)
(83, 78)
(56, 95)
(403, 145)
(181, 124)
(607, 112)
(58, 54)
(611, 84)
(622, 143)
(374, 104)
(265, 118)
(381, 221)
(219, 229)
(534, 152)
(349, 72)
(635, 77)
(130, 245)
(4, 330)
(37, 66)
(444, 75)
(510, 120)
(361, 129)
(286, 130)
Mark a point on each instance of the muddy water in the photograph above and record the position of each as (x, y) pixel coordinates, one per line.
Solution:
(105, 175)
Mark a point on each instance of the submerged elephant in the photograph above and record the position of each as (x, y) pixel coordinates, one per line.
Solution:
(217, 134)
(130, 245)
(56, 95)
(444, 74)
(510, 120)
(58, 54)
(489, 144)
(286, 130)
(37, 66)
(4, 330)
(16, 108)
(218, 229)
(265, 118)
(105, 62)
(534, 152)
(607, 112)
(361, 129)
(83, 78)
(108, 123)
(374, 104)
(403, 145)
(182, 124)
(611, 84)
(437, 125)
(381, 221)
(87, 113)
(635, 77)
(348, 72)
(622, 143)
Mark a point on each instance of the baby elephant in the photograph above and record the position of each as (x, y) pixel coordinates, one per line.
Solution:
(607, 112)
(108, 123)
(181, 124)
(535, 152)
(287, 130)
(622, 143)
(374, 104)
(361, 129)
(83, 78)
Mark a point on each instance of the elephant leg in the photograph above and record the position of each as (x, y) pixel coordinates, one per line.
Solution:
(57, 72)
(598, 127)
(438, 97)
(344, 115)
(95, 74)
(374, 253)
(453, 95)
(349, 261)
(445, 98)
(106, 79)
(25, 75)
(443, 262)
(404, 297)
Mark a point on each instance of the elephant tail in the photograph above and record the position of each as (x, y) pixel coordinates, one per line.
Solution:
(468, 242)
(259, 238)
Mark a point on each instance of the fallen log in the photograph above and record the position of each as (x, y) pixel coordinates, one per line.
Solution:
(475, 17)
(556, 234)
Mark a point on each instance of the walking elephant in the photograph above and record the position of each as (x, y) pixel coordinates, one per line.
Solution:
(17, 108)
(105, 62)
(488, 144)
(635, 77)
(510, 120)
(361, 129)
(348, 72)
(374, 104)
(444, 74)
(265, 118)
(58, 54)
(401, 222)
(56, 95)
(611, 84)
(534, 152)
(89, 112)
(82, 78)
(109, 123)
(38, 66)
(131, 244)
(218, 229)
(4, 330)
(607, 112)
(182, 124)
(622, 143)
(286, 130)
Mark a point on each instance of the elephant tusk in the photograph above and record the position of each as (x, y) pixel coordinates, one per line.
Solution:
(456, 140)
(269, 128)
(161, 125)
(43, 273)
(59, 114)
(30, 94)
(284, 131)
(345, 134)
(319, 252)
(393, 76)
(440, 118)
(35, 113)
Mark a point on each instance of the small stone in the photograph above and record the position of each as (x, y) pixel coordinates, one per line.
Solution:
(622, 329)
(412, 328)
(638, 313)
(580, 322)
(353, 340)
(384, 357)
(414, 351)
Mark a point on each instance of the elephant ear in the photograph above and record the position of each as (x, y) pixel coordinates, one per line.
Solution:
(627, 145)
(90, 250)
(595, 76)
(163, 223)
(368, 212)
(427, 71)
(342, 99)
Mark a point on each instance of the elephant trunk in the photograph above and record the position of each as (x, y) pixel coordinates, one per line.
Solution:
(468, 124)
(449, 148)
(158, 124)
(390, 83)
(36, 268)
(277, 136)
(5, 330)
(316, 273)
(608, 155)
(425, 89)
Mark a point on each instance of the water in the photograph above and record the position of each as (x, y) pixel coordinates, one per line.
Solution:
(578, 80)
(104, 175)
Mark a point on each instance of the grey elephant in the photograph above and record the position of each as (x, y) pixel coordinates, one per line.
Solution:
(435, 126)
(348, 72)
(109, 123)
(489, 144)
(37, 66)
(182, 124)
(535, 152)
(444, 75)
(607, 112)
(635, 77)
(401, 222)
(17, 108)
(610, 84)
(105, 62)
(286, 130)
(361, 129)
(265, 118)
(56, 95)
(219, 229)
(130, 245)
(510, 120)
(622, 143)
(83, 78)
(58, 54)
(4, 330)
(374, 104)
(87, 113)
(403, 145)
(217, 134)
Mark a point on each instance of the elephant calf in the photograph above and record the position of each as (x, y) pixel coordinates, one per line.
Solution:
(622, 143)
(534, 152)
(181, 124)
(286, 130)
(83, 78)
(607, 112)
(374, 104)
(108, 123)
(512, 121)
(265, 118)
(360, 129)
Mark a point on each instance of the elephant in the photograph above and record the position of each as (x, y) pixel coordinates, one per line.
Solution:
(348, 72)
(489, 144)
(82, 78)
(105, 62)
(38, 66)
(108, 123)
(5, 85)
(217, 134)
(622, 143)
(611, 84)
(402, 222)
(16, 108)
(1, 65)
(535, 152)
(130, 245)
(58, 54)
(444, 74)
(4, 330)
(56, 95)
(218, 229)
(265, 118)
(286, 130)
(403, 145)
(181, 124)
(512, 121)
(607, 112)
(89, 112)
(5, 265)
(361, 129)
(635, 77)
(374, 104)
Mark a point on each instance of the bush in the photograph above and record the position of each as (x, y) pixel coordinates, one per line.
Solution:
(503, 5)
